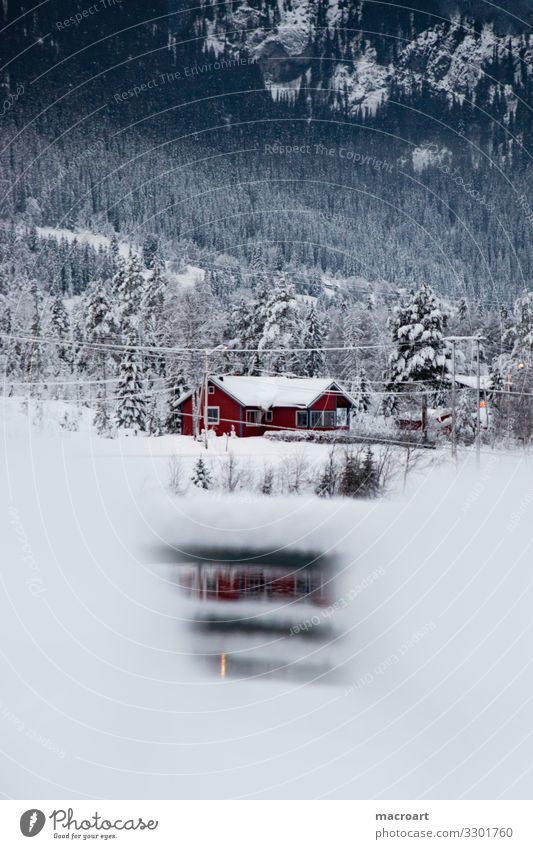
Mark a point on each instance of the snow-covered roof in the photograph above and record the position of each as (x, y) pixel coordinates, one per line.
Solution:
(266, 391)
(485, 381)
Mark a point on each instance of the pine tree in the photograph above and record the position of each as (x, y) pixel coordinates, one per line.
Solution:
(61, 327)
(128, 285)
(282, 327)
(152, 300)
(465, 425)
(350, 477)
(521, 331)
(150, 248)
(360, 392)
(114, 250)
(33, 358)
(100, 327)
(369, 487)
(131, 411)
(102, 419)
(389, 404)
(417, 329)
(313, 360)
(100, 330)
(327, 484)
(201, 476)
(177, 386)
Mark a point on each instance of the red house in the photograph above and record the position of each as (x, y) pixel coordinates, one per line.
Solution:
(253, 405)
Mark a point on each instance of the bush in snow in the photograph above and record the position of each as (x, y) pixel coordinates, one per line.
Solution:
(177, 482)
(231, 473)
(102, 419)
(350, 476)
(294, 472)
(465, 423)
(266, 484)
(201, 476)
(361, 476)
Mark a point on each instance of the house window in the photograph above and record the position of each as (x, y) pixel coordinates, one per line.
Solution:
(268, 416)
(211, 390)
(342, 416)
(213, 415)
(254, 417)
(301, 418)
(323, 418)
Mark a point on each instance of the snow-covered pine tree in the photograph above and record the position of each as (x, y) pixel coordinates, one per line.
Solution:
(7, 360)
(102, 419)
(313, 359)
(100, 327)
(60, 325)
(150, 248)
(282, 327)
(131, 406)
(114, 251)
(256, 316)
(100, 330)
(360, 392)
(201, 476)
(327, 483)
(177, 386)
(417, 329)
(465, 424)
(389, 404)
(153, 296)
(350, 476)
(369, 487)
(128, 286)
(521, 331)
(33, 359)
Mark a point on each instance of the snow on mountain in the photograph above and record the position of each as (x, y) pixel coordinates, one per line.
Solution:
(451, 57)
(366, 83)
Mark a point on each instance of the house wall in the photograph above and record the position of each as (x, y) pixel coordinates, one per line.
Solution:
(231, 413)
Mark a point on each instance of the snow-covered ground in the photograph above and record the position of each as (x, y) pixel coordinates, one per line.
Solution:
(103, 697)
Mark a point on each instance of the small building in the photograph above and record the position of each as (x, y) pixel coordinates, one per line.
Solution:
(253, 405)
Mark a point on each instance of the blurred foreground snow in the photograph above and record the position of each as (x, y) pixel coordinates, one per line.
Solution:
(102, 697)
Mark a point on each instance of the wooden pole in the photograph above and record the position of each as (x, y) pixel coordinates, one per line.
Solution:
(478, 386)
(206, 402)
(454, 400)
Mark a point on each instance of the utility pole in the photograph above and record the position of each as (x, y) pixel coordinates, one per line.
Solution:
(477, 341)
(478, 386)
(206, 388)
(454, 403)
(424, 416)
(206, 402)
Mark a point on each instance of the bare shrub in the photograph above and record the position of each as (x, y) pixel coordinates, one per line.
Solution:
(295, 472)
(178, 480)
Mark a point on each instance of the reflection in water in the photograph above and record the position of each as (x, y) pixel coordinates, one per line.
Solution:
(254, 618)
(218, 581)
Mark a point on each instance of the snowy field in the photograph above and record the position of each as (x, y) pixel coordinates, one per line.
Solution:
(103, 697)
